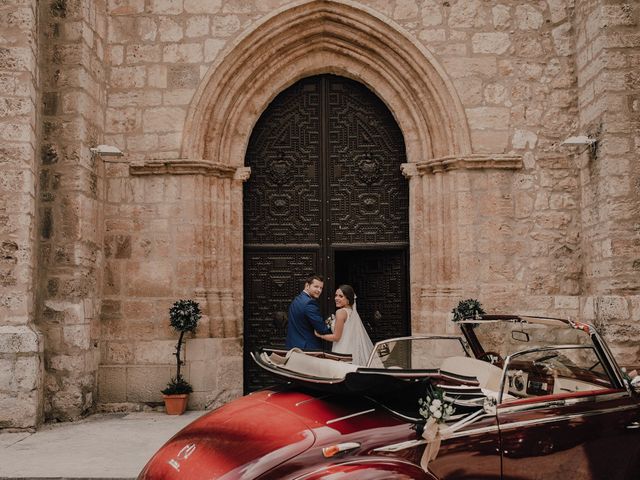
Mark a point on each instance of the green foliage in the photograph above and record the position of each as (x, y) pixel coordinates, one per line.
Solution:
(468, 308)
(177, 386)
(184, 315)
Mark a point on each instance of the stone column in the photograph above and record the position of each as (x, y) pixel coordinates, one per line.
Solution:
(608, 75)
(21, 345)
(444, 212)
(71, 202)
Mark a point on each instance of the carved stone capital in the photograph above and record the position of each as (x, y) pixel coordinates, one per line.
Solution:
(469, 162)
(409, 170)
(182, 166)
(242, 173)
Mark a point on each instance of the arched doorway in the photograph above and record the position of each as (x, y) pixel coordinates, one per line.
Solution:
(325, 195)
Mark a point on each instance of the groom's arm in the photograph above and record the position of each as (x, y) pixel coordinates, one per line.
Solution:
(312, 312)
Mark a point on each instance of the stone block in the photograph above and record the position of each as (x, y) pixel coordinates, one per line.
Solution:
(143, 53)
(144, 383)
(169, 30)
(28, 372)
(482, 118)
(494, 42)
(467, 67)
(20, 411)
(202, 6)
(149, 278)
(468, 14)
(230, 374)
(490, 141)
(166, 7)
(163, 119)
(524, 139)
(566, 302)
(66, 363)
(7, 379)
(635, 308)
(112, 385)
(117, 352)
(128, 77)
(123, 120)
(203, 375)
(469, 89)
(203, 349)
(77, 336)
(182, 53)
(611, 308)
(563, 39)
(212, 48)
(20, 339)
(197, 26)
(125, 7)
(155, 352)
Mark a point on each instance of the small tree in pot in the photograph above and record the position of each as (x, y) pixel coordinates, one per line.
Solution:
(184, 316)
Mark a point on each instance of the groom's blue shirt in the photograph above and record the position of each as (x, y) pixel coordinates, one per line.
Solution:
(304, 318)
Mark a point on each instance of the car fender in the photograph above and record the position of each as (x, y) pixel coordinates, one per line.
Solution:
(367, 469)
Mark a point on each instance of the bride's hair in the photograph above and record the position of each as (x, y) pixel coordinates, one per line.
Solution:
(348, 292)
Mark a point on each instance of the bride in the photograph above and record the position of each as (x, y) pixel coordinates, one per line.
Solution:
(349, 334)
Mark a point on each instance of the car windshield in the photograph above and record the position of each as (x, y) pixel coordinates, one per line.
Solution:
(416, 353)
(508, 337)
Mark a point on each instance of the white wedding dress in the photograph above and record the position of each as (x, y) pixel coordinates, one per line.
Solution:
(354, 339)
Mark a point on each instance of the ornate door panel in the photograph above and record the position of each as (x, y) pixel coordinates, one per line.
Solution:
(325, 177)
(379, 278)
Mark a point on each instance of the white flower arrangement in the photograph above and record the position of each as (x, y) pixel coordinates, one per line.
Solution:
(435, 407)
(435, 410)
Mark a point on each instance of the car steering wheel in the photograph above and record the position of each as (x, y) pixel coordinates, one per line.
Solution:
(494, 358)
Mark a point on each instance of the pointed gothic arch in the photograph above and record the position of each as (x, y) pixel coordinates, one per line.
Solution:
(316, 37)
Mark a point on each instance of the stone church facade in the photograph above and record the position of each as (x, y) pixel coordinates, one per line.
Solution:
(94, 248)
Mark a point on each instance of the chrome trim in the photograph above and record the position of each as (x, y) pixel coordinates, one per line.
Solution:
(560, 418)
(339, 419)
(505, 409)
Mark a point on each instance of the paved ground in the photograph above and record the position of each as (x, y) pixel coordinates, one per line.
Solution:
(105, 446)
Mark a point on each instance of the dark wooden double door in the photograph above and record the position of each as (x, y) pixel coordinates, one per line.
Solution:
(325, 195)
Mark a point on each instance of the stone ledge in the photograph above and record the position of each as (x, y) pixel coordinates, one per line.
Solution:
(181, 166)
(463, 162)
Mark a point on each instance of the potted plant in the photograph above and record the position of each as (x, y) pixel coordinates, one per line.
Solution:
(468, 308)
(183, 316)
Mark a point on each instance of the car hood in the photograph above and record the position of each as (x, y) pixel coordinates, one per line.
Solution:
(246, 437)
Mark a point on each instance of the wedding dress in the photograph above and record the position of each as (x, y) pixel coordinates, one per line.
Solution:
(354, 339)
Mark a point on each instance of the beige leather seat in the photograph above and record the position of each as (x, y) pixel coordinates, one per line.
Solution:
(489, 376)
(299, 362)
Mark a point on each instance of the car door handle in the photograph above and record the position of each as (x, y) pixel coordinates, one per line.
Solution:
(633, 425)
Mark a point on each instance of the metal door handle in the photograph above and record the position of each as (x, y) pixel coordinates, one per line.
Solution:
(633, 425)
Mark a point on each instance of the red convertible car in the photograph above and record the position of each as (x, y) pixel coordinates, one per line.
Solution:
(534, 398)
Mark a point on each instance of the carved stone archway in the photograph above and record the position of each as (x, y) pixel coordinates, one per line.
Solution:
(310, 38)
(316, 37)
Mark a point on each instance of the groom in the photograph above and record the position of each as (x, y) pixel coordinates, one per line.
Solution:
(305, 317)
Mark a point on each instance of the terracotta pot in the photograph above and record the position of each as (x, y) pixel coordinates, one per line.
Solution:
(175, 404)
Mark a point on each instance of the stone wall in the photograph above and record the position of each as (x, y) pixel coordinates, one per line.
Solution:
(500, 221)
(608, 74)
(71, 201)
(21, 345)
(484, 93)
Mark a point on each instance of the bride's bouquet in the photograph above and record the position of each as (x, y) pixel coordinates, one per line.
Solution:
(330, 321)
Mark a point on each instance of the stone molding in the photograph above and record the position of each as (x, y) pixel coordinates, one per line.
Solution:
(182, 166)
(315, 37)
(466, 162)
